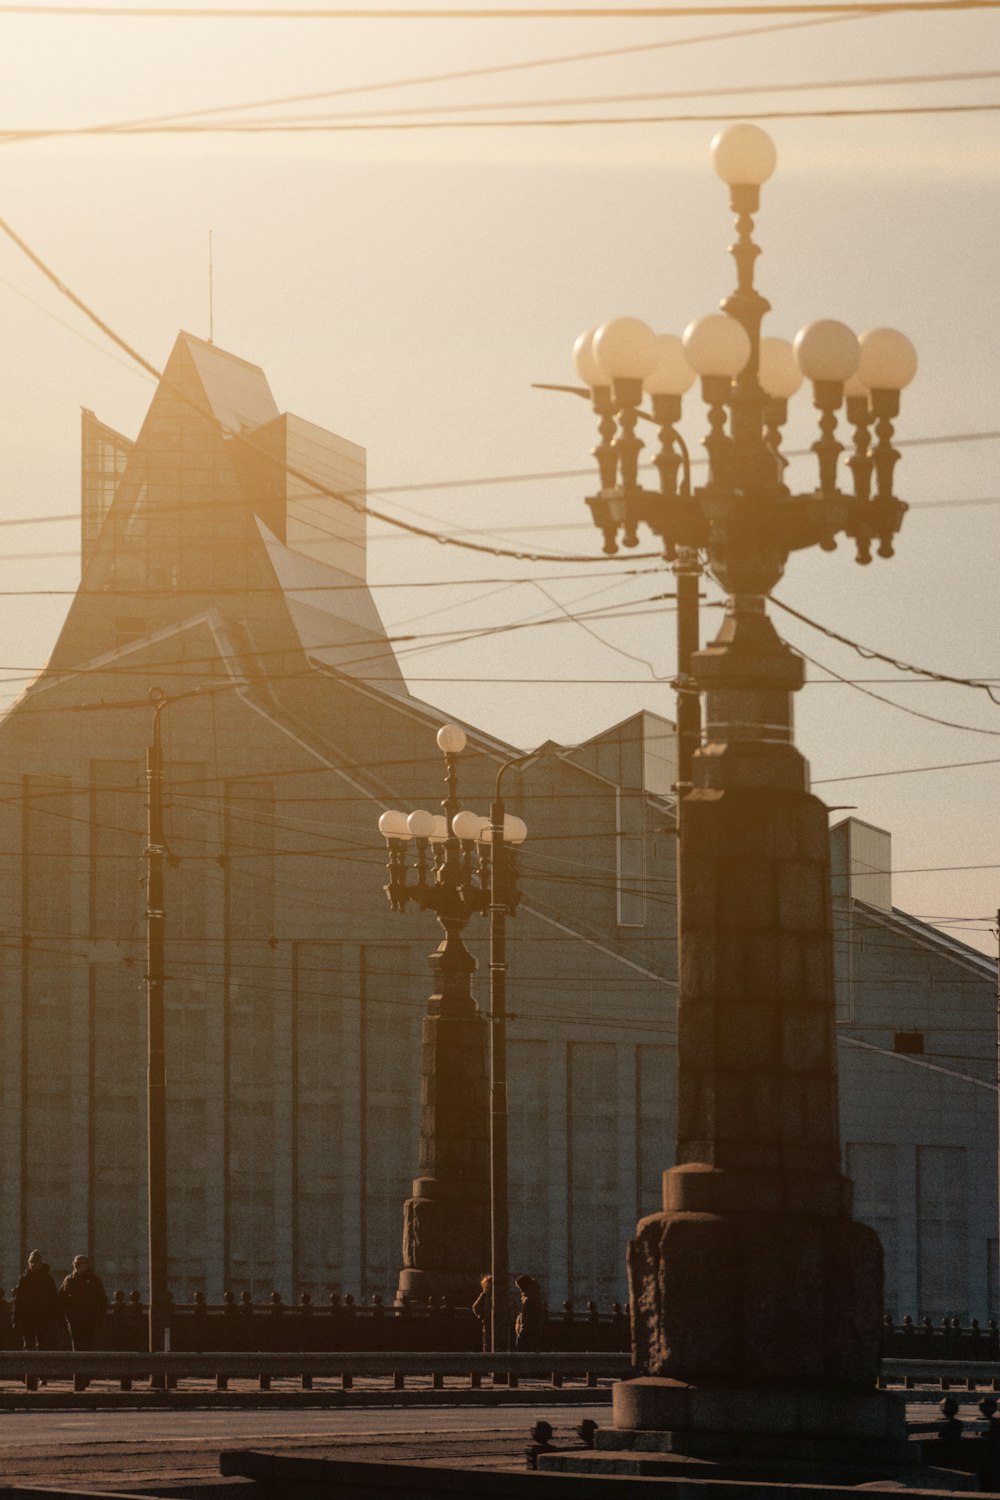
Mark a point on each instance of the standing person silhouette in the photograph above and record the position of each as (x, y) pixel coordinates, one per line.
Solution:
(84, 1303)
(482, 1309)
(530, 1323)
(36, 1304)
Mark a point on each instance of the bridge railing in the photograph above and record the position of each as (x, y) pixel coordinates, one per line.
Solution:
(167, 1371)
(277, 1326)
(948, 1339)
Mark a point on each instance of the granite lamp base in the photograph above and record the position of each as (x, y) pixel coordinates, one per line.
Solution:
(703, 1418)
(742, 1299)
(782, 1433)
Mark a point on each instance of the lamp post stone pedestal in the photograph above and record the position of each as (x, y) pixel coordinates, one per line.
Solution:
(756, 1298)
(446, 1240)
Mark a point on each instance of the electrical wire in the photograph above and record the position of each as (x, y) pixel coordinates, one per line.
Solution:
(223, 592)
(903, 708)
(870, 654)
(952, 765)
(535, 477)
(577, 100)
(528, 123)
(495, 13)
(495, 69)
(390, 116)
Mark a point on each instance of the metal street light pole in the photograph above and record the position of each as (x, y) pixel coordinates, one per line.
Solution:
(500, 904)
(687, 571)
(156, 1082)
(499, 1229)
(996, 1289)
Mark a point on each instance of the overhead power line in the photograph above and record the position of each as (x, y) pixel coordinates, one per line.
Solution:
(458, 75)
(493, 13)
(952, 765)
(540, 123)
(388, 118)
(870, 654)
(423, 485)
(903, 708)
(578, 100)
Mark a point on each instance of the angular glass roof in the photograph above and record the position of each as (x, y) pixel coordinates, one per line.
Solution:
(238, 392)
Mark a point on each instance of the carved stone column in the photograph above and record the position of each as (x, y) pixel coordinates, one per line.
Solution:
(446, 1239)
(756, 1298)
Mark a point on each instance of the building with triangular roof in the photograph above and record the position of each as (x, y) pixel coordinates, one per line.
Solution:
(219, 569)
(223, 559)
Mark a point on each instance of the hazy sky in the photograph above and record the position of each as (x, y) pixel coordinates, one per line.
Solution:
(405, 289)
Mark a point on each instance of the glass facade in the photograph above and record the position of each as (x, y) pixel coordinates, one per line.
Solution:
(104, 458)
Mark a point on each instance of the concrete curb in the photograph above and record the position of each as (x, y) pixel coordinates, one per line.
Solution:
(69, 1400)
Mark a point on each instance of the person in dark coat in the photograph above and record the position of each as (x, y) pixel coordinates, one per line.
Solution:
(530, 1323)
(482, 1309)
(83, 1302)
(36, 1304)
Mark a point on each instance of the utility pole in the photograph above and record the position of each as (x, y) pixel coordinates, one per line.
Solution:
(687, 571)
(499, 1213)
(501, 896)
(156, 1081)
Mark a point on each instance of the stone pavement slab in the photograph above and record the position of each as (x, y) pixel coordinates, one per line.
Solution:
(163, 1467)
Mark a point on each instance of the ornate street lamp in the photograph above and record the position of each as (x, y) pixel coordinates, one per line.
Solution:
(756, 1298)
(461, 865)
(746, 382)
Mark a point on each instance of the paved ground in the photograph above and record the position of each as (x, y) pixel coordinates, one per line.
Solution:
(128, 1449)
(107, 1449)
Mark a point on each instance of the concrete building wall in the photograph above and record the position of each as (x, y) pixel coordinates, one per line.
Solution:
(294, 997)
(917, 1018)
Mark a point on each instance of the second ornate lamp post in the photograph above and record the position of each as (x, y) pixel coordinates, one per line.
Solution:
(756, 1297)
(463, 865)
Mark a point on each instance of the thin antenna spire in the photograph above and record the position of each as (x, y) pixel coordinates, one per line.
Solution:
(211, 294)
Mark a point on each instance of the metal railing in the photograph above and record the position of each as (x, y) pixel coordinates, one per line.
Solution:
(339, 1324)
(166, 1372)
(949, 1339)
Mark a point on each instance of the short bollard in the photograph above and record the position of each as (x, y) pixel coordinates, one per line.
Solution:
(991, 1474)
(541, 1439)
(346, 1382)
(951, 1427)
(399, 1381)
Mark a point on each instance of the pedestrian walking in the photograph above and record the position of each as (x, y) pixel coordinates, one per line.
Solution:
(83, 1303)
(482, 1309)
(530, 1323)
(36, 1304)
